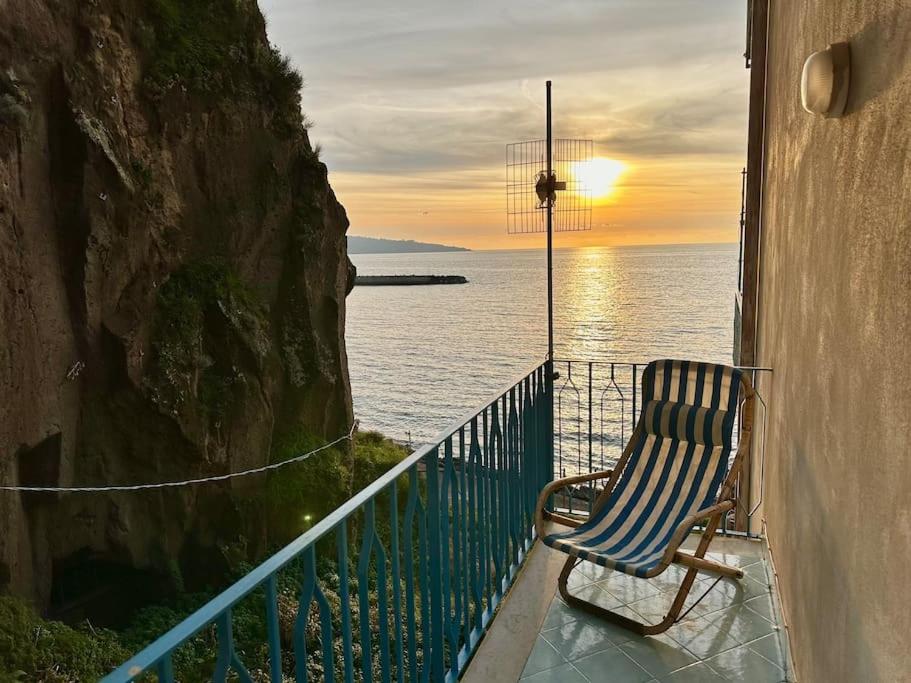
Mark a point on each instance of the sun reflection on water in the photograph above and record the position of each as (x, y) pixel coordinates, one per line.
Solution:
(421, 356)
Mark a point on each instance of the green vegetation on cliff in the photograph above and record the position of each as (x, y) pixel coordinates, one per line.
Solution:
(14, 102)
(193, 360)
(215, 48)
(301, 495)
(210, 46)
(33, 649)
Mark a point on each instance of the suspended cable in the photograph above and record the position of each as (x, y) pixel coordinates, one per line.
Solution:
(187, 482)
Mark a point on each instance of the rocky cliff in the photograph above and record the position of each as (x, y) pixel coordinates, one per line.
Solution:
(172, 282)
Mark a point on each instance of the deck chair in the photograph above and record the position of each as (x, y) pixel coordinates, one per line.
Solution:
(672, 475)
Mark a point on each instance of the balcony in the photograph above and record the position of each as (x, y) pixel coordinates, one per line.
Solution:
(734, 633)
(433, 571)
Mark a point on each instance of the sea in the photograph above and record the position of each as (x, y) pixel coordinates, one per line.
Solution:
(422, 357)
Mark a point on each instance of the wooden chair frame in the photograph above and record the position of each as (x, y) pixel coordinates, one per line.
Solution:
(673, 555)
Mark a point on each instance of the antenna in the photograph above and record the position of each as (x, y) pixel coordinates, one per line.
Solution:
(535, 172)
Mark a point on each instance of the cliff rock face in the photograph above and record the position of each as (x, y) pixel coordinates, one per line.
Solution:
(172, 280)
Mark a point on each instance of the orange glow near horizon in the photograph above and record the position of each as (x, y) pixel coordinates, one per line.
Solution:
(636, 201)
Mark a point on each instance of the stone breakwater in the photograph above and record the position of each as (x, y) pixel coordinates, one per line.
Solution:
(400, 280)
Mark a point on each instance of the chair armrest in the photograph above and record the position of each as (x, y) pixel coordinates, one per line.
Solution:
(688, 522)
(557, 485)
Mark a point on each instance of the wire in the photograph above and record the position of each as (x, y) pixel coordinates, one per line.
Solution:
(187, 482)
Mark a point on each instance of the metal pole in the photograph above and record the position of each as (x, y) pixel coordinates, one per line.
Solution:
(550, 235)
(743, 220)
(549, 373)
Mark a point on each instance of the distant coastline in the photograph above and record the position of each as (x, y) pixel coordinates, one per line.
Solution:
(376, 245)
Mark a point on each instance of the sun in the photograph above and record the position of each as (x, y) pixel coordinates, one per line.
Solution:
(599, 176)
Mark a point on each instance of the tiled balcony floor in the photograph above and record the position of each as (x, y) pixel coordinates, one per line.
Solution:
(732, 634)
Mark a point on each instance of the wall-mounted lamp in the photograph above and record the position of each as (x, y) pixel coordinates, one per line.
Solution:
(825, 81)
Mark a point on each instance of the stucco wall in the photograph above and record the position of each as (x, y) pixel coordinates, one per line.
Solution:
(835, 305)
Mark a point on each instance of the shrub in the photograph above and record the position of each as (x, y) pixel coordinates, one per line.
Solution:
(37, 650)
(192, 661)
(215, 47)
(374, 456)
(299, 495)
(280, 80)
(195, 43)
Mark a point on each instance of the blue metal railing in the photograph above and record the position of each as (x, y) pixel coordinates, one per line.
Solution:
(434, 543)
(432, 568)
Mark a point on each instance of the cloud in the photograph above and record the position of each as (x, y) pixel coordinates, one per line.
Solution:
(405, 88)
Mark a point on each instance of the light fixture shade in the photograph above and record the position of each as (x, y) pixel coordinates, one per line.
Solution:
(825, 81)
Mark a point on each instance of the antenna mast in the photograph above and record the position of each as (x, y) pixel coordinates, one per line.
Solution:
(550, 231)
(535, 171)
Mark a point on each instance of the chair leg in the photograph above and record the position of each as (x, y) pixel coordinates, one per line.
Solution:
(688, 560)
(618, 619)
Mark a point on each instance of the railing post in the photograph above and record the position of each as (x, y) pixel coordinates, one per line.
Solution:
(363, 590)
(530, 453)
(396, 581)
(434, 514)
(273, 633)
(590, 365)
(465, 623)
(549, 417)
(227, 658)
(414, 512)
(341, 541)
(476, 518)
(498, 536)
(165, 670)
(488, 538)
(513, 481)
(450, 558)
(744, 481)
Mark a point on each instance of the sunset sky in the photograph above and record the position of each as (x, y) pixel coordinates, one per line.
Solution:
(414, 101)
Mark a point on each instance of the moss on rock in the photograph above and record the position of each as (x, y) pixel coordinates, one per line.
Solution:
(199, 306)
(14, 101)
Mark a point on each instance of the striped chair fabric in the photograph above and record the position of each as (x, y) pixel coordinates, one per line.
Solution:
(675, 468)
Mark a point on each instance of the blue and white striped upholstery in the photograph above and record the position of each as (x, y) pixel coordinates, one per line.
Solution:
(674, 470)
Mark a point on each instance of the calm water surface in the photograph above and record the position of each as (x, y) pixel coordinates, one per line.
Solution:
(422, 357)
